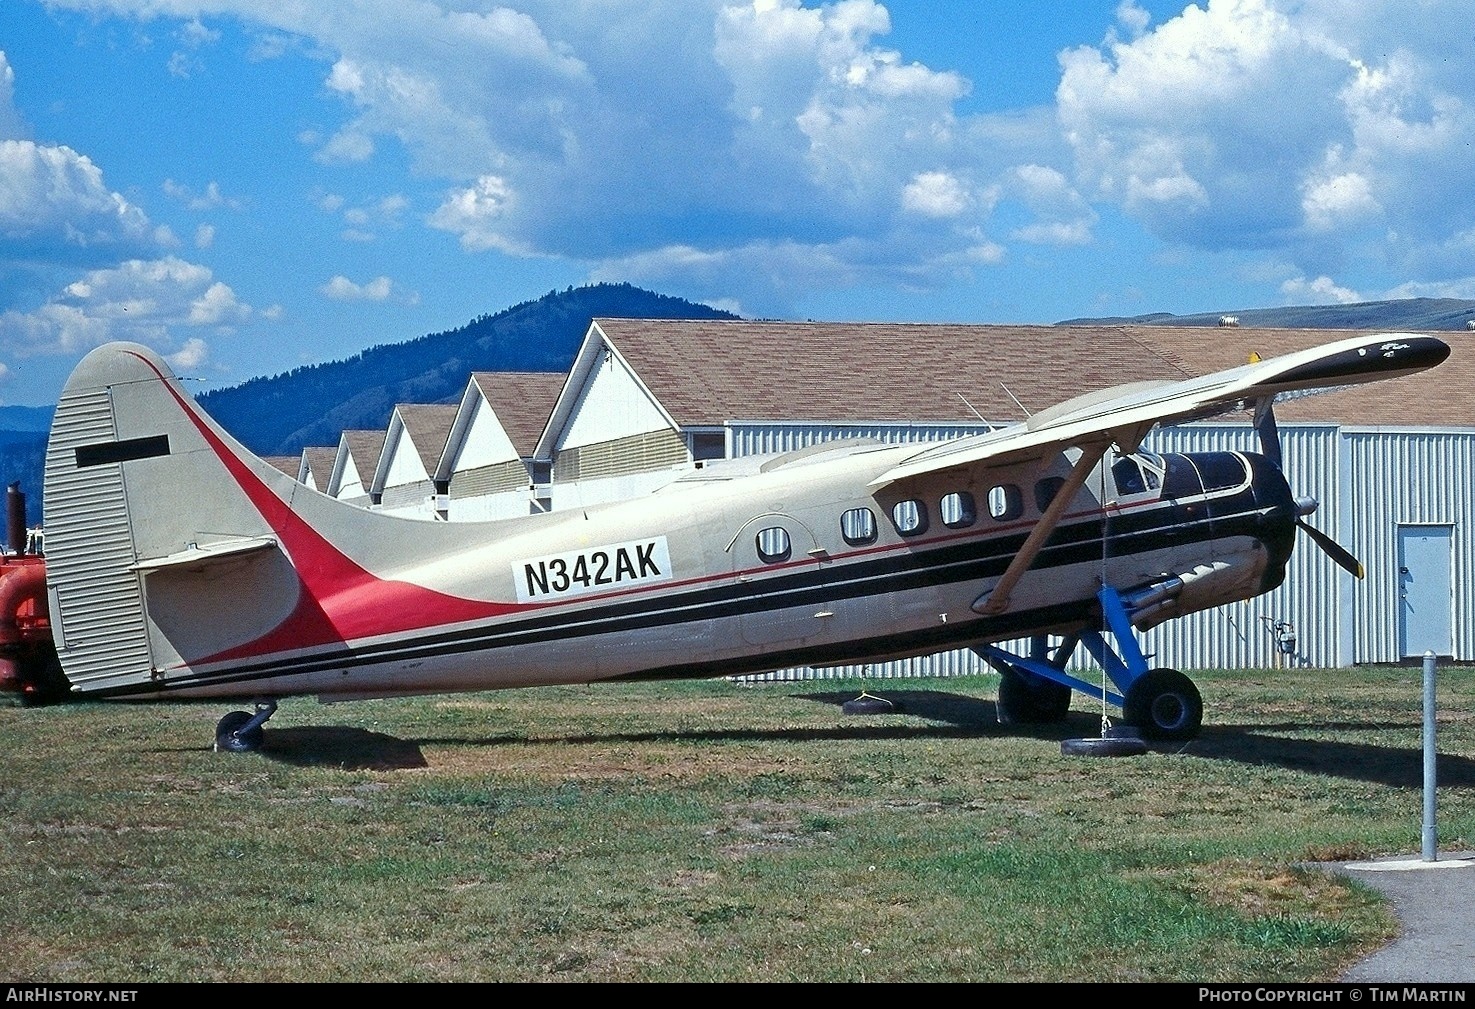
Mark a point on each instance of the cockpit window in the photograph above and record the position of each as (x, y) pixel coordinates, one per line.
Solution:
(1136, 474)
(1220, 470)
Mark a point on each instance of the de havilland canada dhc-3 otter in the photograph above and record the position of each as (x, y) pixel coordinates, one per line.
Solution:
(179, 565)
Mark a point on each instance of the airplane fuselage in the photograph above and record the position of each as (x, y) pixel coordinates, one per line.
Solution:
(800, 565)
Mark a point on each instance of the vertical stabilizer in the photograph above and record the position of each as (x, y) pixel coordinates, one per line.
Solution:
(137, 502)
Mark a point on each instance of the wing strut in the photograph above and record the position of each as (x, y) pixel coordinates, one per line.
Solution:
(996, 600)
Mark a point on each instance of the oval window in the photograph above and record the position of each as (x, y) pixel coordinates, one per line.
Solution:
(1005, 502)
(858, 525)
(958, 510)
(910, 517)
(773, 545)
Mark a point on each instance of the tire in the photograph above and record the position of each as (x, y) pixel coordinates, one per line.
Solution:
(865, 704)
(1164, 704)
(230, 739)
(1030, 700)
(1107, 746)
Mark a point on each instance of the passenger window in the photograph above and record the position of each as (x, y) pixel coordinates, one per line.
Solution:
(957, 510)
(858, 525)
(1046, 489)
(910, 517)
(1005, 502)
(773, 545)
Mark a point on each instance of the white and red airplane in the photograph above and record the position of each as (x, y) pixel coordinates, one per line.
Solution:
(178, 565)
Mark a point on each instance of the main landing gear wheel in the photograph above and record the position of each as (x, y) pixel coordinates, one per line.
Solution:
(1164, 704)
(1030, 700)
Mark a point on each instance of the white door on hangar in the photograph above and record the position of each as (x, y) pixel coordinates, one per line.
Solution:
(1425, 590)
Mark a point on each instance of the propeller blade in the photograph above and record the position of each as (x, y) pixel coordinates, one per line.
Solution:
(1334, 550)
(1269, 433)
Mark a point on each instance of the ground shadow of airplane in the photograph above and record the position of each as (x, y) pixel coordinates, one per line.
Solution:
(947, 715)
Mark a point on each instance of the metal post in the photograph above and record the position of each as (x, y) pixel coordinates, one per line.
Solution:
(1429, 775)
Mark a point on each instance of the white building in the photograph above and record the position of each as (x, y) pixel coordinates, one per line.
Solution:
(488, 465)
(354, 462)
(404, 481)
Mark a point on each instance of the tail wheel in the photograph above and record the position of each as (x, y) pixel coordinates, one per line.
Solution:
(1030, 700)
(230, 739)
(1164, 704)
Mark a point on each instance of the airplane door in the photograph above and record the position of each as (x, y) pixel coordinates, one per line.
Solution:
(779, 559)
(1425, 588)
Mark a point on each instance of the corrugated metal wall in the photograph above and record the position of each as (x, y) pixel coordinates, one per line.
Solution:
(1408, 478)
(769, 438)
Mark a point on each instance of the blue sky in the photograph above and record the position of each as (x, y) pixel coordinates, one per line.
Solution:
(251, 185)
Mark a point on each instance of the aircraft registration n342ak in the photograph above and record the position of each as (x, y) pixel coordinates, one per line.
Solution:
(179, 565)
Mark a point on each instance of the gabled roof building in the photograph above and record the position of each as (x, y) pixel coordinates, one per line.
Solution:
(403, 480)
(354, 462)
(489, 465)
(315, 468)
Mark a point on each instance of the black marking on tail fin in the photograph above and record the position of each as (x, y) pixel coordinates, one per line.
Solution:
(122, 451)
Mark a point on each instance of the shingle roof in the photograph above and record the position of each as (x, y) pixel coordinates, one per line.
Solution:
(522, 401)
(427, 424)
(288, 464)
(319, 459)
(364, 448)
(710, 372)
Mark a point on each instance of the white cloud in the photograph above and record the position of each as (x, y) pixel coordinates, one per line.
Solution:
(935, 194)
(149, 301)
(1330, 202)
(207, 200)
(1062, 215)
(1249, 124)
(1309, 132)
(478, 215)
(204, 236)
(1321, 291)
(194, 353)
(340, 288)
(1459, 287)
(53, 197)
(11, 126)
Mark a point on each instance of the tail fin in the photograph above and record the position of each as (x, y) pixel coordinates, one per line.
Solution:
(142, 517)
(177, 561)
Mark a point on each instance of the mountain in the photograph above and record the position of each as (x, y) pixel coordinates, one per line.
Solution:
(314, 404)
(1414, 314)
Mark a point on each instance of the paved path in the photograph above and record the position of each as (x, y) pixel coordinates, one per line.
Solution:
(1435, 904)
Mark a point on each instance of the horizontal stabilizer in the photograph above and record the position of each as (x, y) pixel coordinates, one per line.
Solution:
(198, 556)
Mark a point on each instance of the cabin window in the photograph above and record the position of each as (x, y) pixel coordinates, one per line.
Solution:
(858, 526)
(957, 510)
(1046, 489)
(773, 545)
(909, 517)
(1005, 502)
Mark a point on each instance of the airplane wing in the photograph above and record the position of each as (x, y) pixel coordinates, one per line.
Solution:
(1126, 414)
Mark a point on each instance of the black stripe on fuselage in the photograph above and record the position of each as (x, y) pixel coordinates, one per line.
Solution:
(967, 559)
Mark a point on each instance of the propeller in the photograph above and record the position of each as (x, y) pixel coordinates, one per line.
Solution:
(1270, 448)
